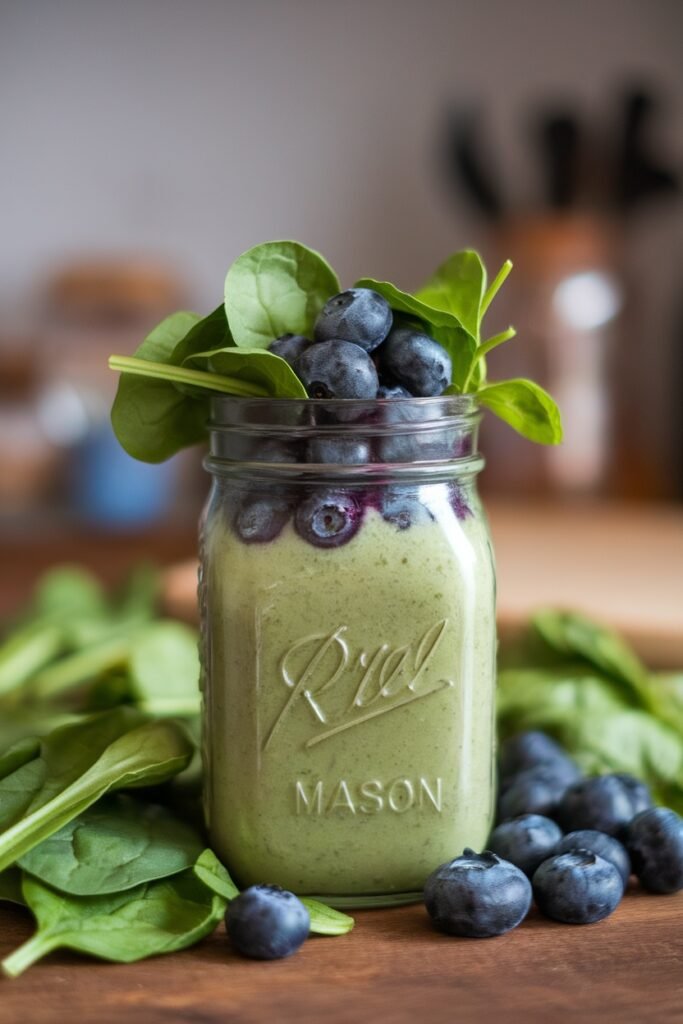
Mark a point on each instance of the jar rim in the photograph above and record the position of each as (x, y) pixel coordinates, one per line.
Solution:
(401, 437)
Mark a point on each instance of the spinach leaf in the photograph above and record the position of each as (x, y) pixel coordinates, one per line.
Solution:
(66, 753)
(164, 669)
(209, 333)
(458, 287)
(275, 288)
(115, 845)
(526, 407)
(404, 302)
(254, 365)
(555, 699)
(27, 650)
(80, 666)
(151, 418)
(154, 918)
(69, 590)
(10, 887)
(325, 920)
(79, 764)
(212, 873)
(19, 754)
(573, 634)
(62, 595)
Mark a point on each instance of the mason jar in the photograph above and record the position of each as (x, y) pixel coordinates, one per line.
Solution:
(347, 594)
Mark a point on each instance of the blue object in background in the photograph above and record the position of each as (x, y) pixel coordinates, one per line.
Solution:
(109, 488)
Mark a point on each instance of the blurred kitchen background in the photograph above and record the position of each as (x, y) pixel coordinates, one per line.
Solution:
(146, 143)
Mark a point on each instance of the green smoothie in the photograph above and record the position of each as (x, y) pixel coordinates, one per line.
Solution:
(349, 705)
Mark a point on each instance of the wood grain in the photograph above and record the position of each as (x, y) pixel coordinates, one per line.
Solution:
(393, 968)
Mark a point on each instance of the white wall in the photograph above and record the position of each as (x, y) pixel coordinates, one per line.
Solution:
(195, 129)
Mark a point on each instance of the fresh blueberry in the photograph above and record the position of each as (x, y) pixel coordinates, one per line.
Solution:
(328, 519)
(641, 797)
(267, 922)
(655, 841)
(605, 803)
(402, 508)
(577, 888)
(604, 846)
(290, 346)
(526, 841)
(477, 896)
(273, 450)
(393, 391)
(416, 361)
(358, 315)
(261, 517)
(338, 451)
(337, 369)
(531, 750)
(534, 791)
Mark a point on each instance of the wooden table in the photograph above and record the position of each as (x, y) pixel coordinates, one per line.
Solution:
(392, 969)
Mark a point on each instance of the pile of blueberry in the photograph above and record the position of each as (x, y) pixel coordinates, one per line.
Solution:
(360, 349)
(567, 842)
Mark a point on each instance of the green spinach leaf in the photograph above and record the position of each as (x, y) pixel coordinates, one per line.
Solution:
(151, 418)
(155, 918)
(253, 365)
(115, 845)
(458, 287)
(10, 887)
(19, 754)
(526, 407)
(325, 920)
(404, 302)
(573, 634)
(275, 288)
(212, 873)
(209, 333)
(164, 669)
(81, 763)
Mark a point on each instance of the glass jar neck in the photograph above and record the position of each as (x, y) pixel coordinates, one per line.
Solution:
(349, 441)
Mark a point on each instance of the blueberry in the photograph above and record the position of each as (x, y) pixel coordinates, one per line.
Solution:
(337, 369)
(577, 887)
(338, 451)
(290, 346)
(328, 518)
(267, 922)
(605, 803)
(273, 450)
(416, 361)
(534, 791)
(641, 797)
(607, 847)
(402, 508)
(655, 841)
(261, 517)
(358, 315)
(477, 896)
(525, 841)
(393, 391)
(530, 750)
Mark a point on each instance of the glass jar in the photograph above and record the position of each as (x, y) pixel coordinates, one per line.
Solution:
(348, 613)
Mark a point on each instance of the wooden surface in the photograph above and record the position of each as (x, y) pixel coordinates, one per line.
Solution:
(392, 969)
